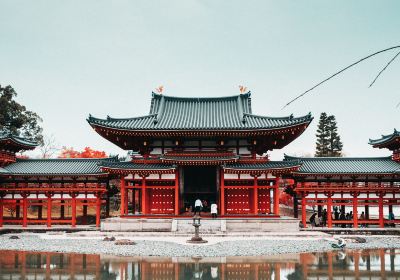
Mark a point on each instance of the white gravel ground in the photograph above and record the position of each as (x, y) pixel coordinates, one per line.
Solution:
(240, 247)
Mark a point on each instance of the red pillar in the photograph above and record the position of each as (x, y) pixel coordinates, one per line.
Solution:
(255, 195)
(84, 212)
(222, 192)
(355, 211)
(1, 212)
(380, 206)
(144, 204)
(25, 212)
(122, 196)
(176, 192)
(98, 208)
(276, 197)
(48, 211)
(73, 211)
(303, 210)
(329, 210)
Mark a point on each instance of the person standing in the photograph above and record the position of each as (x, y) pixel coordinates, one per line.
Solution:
(197, 206)
(362, 218)
(214, 210)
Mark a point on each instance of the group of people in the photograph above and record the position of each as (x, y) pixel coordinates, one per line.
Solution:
(200, 206)
(320, 219)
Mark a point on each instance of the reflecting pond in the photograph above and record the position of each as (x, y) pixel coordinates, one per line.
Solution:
(358, 264)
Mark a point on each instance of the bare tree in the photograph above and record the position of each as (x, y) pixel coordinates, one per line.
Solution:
(49, 146)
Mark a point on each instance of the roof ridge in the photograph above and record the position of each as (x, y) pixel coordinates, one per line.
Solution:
(183, 98)
(65, 159)
(395, 133)
(335, 158)
(121, 119)
(275, 118)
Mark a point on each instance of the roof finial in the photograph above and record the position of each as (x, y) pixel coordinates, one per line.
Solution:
(242, 89)
(160, 89)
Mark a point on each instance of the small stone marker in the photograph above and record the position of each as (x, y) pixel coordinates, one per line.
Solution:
(112, 238)
(124, 242)
(360, 240)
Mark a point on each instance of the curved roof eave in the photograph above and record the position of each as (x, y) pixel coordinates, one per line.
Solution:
(305, 122)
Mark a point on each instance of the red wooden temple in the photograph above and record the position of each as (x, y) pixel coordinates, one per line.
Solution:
(214, 149)
(52, 184)
(353, 183)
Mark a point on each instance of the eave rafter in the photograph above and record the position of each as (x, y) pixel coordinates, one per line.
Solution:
(133, 139)
(140, 172)
(258, 172)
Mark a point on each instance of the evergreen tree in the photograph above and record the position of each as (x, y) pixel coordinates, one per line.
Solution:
(322, 136)
(15, 118)
(328, 140)
(335, 144)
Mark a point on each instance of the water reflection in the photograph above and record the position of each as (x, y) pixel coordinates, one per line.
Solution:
(361, 264)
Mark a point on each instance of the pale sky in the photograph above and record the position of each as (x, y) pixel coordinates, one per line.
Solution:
(67, 59)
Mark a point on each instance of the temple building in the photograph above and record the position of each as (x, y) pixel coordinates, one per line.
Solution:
(340, 182)
(50, 184)
(213, 149)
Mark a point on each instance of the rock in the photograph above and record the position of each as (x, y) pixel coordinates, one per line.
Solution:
(360, 240)
(124, 242)
(112, 238)
(14, 237)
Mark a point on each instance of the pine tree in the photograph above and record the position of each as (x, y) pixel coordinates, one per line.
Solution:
(328, 139)
(322, 136)
(335, 144)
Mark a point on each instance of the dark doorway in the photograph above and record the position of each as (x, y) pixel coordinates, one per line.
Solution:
(200, 182)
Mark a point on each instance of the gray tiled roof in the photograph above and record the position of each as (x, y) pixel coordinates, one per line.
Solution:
(349, 165)
(127, 165)
(264, 165)
(70, 166)
(3, 171)
(4, 135)
(218, 113)
(385, 138)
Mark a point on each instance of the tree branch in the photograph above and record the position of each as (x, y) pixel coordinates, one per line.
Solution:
(384, 68)
(337, 73)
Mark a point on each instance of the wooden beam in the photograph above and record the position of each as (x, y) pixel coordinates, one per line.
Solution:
(176, 196)
(329, 210)
(255, 196)
(24, 212)
(98, 210)
(73, 205)
(48, 218)
(122, 192)
(303, 211)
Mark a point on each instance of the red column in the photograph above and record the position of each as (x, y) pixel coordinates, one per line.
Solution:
(355, 211)
(48, 211)
(98, 208)
(255, 195)
(73, 211)
(222, 192)
(329, 210)
(380, 206)
(303, 210)
(122, 196)
(276, 197)
(144, 204)
(176, 192)
(1, 212)
(25, 212)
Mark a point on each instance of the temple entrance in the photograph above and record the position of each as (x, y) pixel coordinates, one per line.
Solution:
(199, 182)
